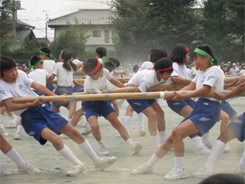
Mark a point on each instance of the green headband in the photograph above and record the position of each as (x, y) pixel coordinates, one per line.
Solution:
(49, 55)
(35, 65)
(69, 61)
(189, 65)
(202, 52)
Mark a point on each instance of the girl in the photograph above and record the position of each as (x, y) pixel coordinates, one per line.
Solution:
(39, 120)
(64, 72)
(145, 79)
(205, 114)
(101, 54)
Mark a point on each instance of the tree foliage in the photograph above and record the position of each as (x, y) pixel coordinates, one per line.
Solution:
(73, 39)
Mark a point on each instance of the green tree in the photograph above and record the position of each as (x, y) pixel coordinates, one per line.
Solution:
(73, 39)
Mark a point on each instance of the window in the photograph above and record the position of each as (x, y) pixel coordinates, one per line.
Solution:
(106, 36)
(113, 36)
(96, 33)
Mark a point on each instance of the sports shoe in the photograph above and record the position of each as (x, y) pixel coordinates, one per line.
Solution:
(104, 150)
(79, 168)
(203, 172)
(136, 147)
(143, 169)
(17, 136)
(28, 169)
(209, 145)
(176, 173)
(12, 124)
(240, 168)
(227, 148)
(142, 131)
(203, 150)
(103, 163)
(4, 172)
(63, 136)
(3, 131)
(87, 130)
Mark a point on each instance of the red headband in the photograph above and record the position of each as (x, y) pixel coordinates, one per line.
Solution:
(4, 71)
(186, 49)
(137, 69)
(95, 69)
(165, 69)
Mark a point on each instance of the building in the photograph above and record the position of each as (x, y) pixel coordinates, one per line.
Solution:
(98, 23)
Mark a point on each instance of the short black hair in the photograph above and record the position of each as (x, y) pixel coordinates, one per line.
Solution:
(178, 53)
(135, 68)
(108, 65)
(163, 63)
(224, 178)
(156, 54)
(46, 50)
(34, 60)
(101, 51)
(115, 61)
(6, 63)
(90, 64)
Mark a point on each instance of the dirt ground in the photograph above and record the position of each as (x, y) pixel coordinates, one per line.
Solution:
(54, 166)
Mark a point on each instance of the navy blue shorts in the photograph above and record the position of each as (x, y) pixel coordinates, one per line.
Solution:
(225, 106)
(178, 105)
(78, 89)
(204, 115)
(60, 90)
(40, 94)
(97, 108)
(139, 105)
(237, 126)
(50, 87)
(35, 119)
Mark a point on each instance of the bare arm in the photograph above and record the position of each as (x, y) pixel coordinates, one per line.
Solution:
(117, 83)
(51, 77)
(42, 89)
(180, 80)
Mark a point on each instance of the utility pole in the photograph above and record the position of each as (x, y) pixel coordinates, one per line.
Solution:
(46, 26)
(15, 6)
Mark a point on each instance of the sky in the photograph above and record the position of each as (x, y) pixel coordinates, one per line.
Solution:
(34, 12)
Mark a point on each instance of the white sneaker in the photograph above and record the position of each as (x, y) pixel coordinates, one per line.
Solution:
(136, 147)
(176, 173)
(240, 168)
(227, 148)
(209, 145)
(28, 169)
(17, 136)
(203, 150)
(63, 136)
(79, 168)
(143, 169)
(203, 172)
(4, 172)
(12, 124)
(87, 130)
(103, 163)
(3, 131)
(142, 131)
(104, 150)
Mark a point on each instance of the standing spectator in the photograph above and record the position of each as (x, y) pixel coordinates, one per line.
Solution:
(233, 70)
(238, 66)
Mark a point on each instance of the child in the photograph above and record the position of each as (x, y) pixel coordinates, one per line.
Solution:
(23, 167)
(236, 129)
(189, 66)
(64, 72)
(205, 114)
(94, 82)
(145, 79)
(101, 54)
(39, 120)
(48, 63)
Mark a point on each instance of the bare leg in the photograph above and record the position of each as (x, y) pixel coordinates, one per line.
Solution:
(76, 117)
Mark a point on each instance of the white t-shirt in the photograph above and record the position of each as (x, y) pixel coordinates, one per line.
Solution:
(242, 72)
(233, 71)
(213, 77)
(76, 61)
(64, 77)
(20, 88)
(146, 65)
(95, 86)
(189, 72)
(48, 65)
(178, 70)
(194, 70)
(40, 76)
(100, 60)
(144, 79)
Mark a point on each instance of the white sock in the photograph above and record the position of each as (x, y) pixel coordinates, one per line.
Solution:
(179, 162)
(162, 136)
(13, 116)
(68, 119)
(19, 128)
(216, 152)
(141, 118)
(119, 119)
(101, 143)
(14, 155)
(198, 141)
(1, 116)
(127, 122)
(155, 141)
(88, 150)
(153, 160)
(130, 143)
(205, 138)
(69, 155)
(242, 161)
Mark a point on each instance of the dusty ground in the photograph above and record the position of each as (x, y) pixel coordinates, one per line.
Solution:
(54, 166)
